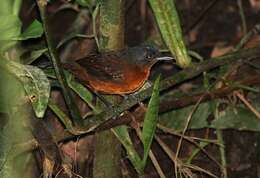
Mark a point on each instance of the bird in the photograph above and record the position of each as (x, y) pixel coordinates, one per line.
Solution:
(116, 72)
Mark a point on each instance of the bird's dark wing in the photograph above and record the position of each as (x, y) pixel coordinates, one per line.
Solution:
(105, 67)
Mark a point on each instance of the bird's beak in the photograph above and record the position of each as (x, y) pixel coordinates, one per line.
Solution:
(166, 58)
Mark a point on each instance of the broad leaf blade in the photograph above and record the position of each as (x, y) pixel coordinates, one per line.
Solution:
(239, 118)
(10, 27)
(10, 24)
(35, 83)
(177, 118)
(150, 120)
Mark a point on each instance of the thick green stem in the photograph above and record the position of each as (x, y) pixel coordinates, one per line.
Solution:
(112, 24)
(108, 148)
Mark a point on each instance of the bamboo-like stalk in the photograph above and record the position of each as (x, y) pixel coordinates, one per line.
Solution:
(111, 31)
(112, 25)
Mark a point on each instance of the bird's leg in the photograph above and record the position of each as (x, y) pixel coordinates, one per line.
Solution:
(125, 97)
(103, 99)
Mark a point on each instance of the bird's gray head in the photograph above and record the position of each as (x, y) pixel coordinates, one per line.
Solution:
(145, 55)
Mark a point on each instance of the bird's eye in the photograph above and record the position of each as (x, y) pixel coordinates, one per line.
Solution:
(150, 53)
(148, 56)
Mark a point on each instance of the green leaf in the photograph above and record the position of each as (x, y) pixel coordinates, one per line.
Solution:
(35, 30)
(16, 6)
(35, 54)
(122, 134)
(176, 119)
(87, 3)
(10, 88)
(6, 7)
(195, 151)
(168, 21)
(10, 7)
(10, 27)
(61, 115)
(84, 3)
(239, 118)
(35, 83)
(10, 24)
(150, 121)
(82, 92)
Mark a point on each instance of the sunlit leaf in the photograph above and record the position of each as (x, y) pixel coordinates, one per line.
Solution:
(10, 27)
(10, 89)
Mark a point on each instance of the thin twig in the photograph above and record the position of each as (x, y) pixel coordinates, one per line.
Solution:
(156, 164)
(255, 30)
(184, 130)
(178, 162)
(242, 16)
(188, 138)
(191, 140)
(243, 99)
